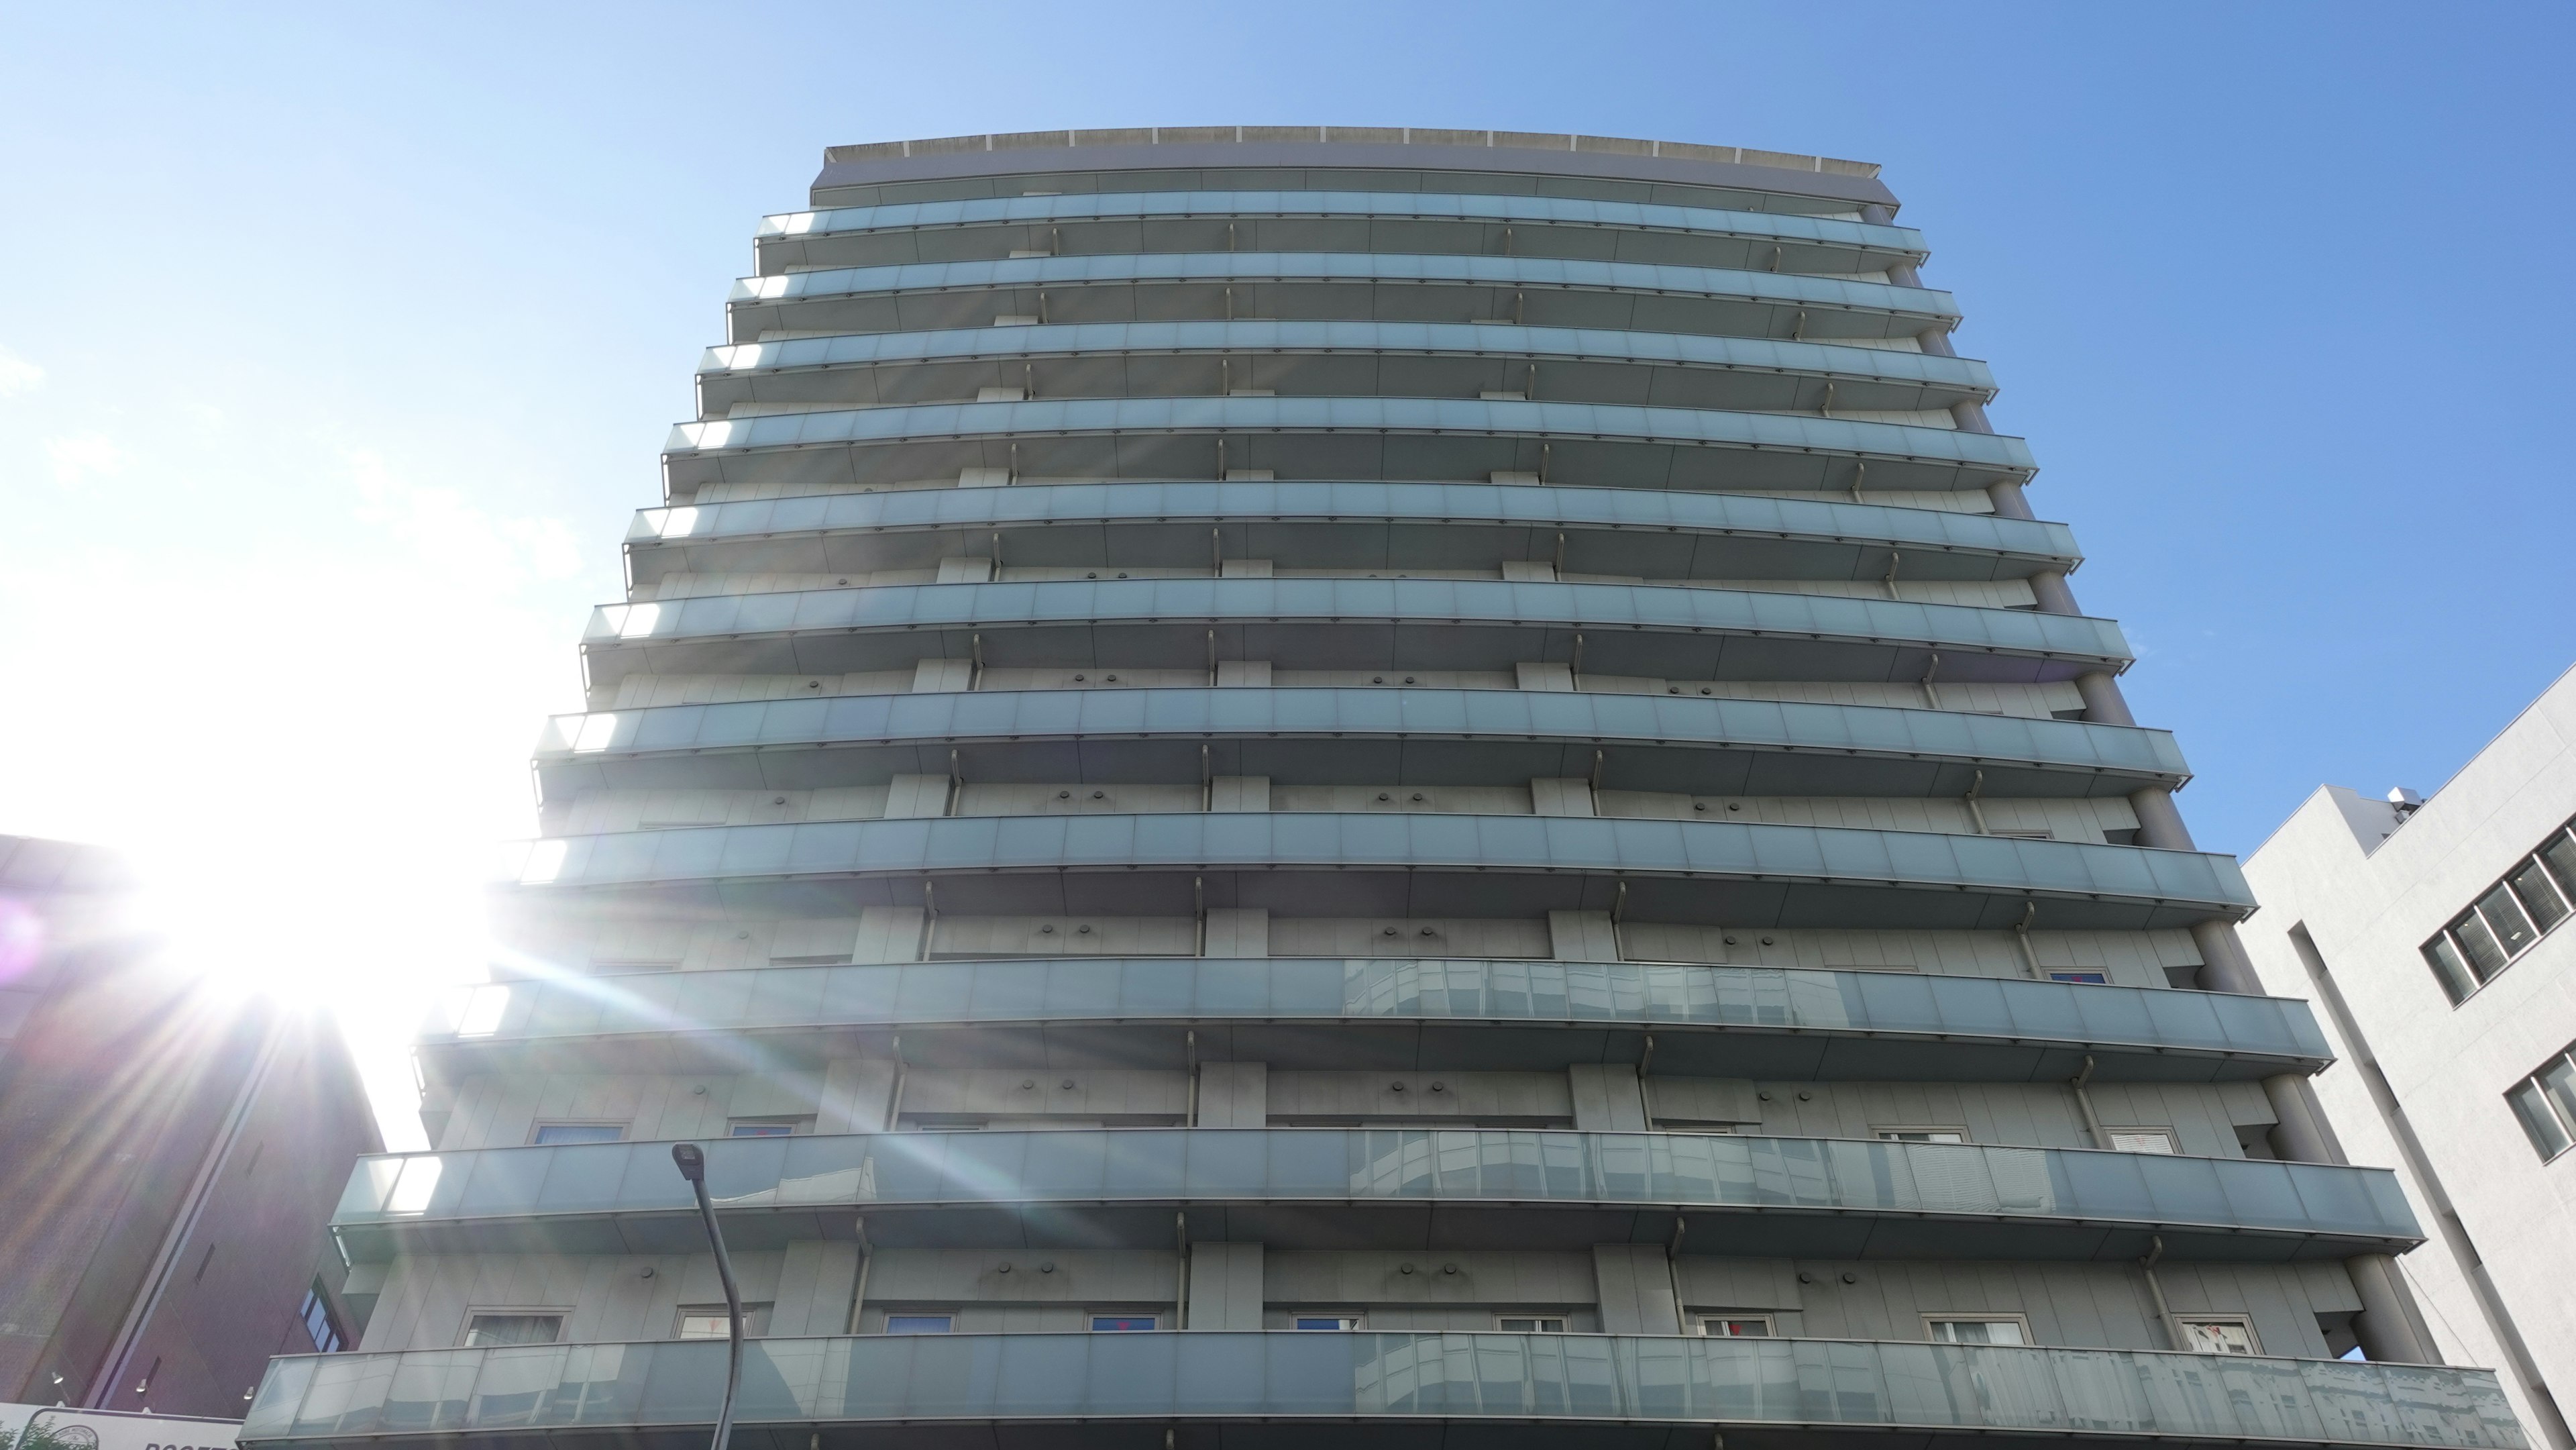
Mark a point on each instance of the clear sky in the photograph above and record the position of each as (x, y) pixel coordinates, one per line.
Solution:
(337, 343)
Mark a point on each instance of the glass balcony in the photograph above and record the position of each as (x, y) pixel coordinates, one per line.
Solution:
(1672, 624)
(1636, 516)
(2039, 757)
(1411, 1388)
(1883, 309)
(1710, 1013)
(1527, 1187)
(1785, 450)
(1668, 862)
(1952, 377)
(1886, 241)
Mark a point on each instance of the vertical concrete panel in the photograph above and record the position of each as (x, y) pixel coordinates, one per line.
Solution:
(1238, 932)
(1234, 1094)
(1606, 1099)
(1582, 936)
(888, 934)
(914, 796)
(1225, 1285)
(1556, 796)
(856, 1092)
(1636, 1288)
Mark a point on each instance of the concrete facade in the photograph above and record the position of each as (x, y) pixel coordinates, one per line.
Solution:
(169, 1158)
(1254, 774)
(2353, 890)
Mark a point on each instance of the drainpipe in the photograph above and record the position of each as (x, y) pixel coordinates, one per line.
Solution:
(2092, 1120)
(2156, 1293)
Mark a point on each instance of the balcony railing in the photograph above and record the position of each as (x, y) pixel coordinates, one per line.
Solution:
(1705, 1013)
(665, 1394)
(1521, 1186)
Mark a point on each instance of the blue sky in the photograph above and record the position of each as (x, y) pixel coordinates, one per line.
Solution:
(337, 343)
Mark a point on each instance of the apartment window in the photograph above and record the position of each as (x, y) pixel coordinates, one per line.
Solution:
(1922, 1135)
(2142, 1140)
(762, 1127)
(1977, 1328)
(920, 1323)
(1530, 1323)
(1327, 1322)
(2082, 979)
(319, 1323)
(492, 1328)
(2546, 1104)
(549, 1133)
(2530, 902)
(1124, 1323)
(2220, 1334)
(709, 1321)
(1738, 1326)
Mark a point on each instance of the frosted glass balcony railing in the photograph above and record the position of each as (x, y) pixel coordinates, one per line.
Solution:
(2251, 1208)
(2224, 1035)
(1904, 242)
(1965, 376)
(1932, 457)
(1411, 1387)
(1353, 504)
(2071, 748)
(1678, 614)
(1934, 380)
(1866, 309)
(2150, 888)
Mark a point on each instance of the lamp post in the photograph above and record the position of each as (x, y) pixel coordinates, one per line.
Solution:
(692, 1161)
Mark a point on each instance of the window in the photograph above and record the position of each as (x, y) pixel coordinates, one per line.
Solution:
(2142, 1140)
(1327, 1322)
(1123, 1323)
(2529, 903)
(578, 1133)
(1530, 1324)
(762, 1127)
(1977, 1329)
(1737, 1326)
(709, 1321)
(318, 1322)
(2220, 1333)
(1922, 1135)
(2545, 1102)
(2082, 979)
(920, 1323)
(488, 1329)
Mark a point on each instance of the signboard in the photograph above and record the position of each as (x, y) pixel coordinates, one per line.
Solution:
(57, 1427)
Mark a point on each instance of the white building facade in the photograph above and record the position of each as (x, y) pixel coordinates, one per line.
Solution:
(2436, 944)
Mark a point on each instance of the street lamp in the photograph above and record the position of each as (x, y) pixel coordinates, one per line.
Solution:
(693, 1166)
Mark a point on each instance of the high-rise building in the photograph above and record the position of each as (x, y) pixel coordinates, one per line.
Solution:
(2432, 933)
(1438, 779)
(170, 1152)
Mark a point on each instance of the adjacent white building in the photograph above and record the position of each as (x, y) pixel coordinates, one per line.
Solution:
(2435, 940)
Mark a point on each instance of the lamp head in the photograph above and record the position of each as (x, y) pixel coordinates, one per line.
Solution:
(692, 1160)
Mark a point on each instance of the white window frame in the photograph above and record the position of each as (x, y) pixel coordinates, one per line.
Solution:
(562, 1315)
(2253, 1340)
(1702, 1319)
(2019, 1321)
(886, 1323)
(2111, 1133)
(1091, 1322)
(1884, 1132)
(2070, 976)
(755, 1319)
(796, 1124)
(1342, 1323)
(1539, 1323)
(539, 1126)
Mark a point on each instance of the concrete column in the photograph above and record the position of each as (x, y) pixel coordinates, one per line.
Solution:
(2388, 1329)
